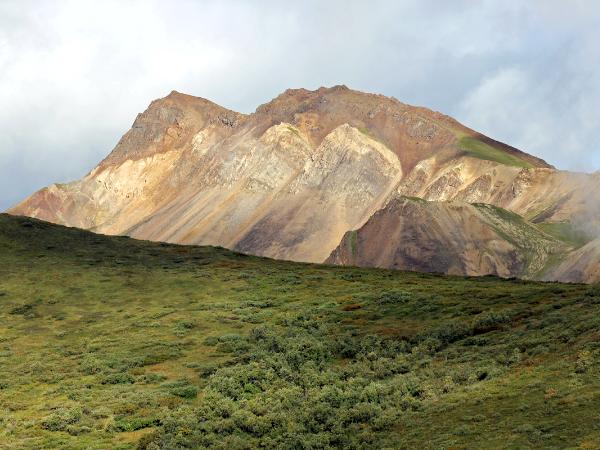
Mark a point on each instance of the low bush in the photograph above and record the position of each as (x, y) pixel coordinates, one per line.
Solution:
(60, 420)
(135, 423)
(490, 321)
(584, 361)
(394, 297)
(182, 388)
(118, 378)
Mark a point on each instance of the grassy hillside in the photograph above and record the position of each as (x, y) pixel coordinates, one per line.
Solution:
(566, 232)
(478, 149)
(108, 342)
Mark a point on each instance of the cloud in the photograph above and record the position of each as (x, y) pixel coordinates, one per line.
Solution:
(523, 100)
(73, 74)
(547, 104)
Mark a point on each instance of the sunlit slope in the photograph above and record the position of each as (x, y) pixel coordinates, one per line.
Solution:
(109, 342)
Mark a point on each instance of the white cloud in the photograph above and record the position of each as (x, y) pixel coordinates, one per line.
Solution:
(511, 103)
(73, 74)
(547, 105)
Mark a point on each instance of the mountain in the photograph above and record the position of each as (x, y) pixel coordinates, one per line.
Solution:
(290, 180)
(448, 237)
(581, 265)
(108, 342)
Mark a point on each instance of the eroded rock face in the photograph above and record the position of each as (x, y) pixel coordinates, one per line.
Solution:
(290, 180)
(582, 265)
(538, 194)
(449, 237)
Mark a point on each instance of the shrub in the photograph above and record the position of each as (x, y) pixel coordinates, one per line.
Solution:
(27, 311)
(136, 423)
(515, 357)
(185, 391)
(183, 327)
(151, 378)
(76, 430)
(60, 420)
(290, 279)
(490, 321)
(449, 332)
(350, 276)
(91, 365)
(232, 343)
(394, 297)
(118, 378)
(346, 347)
(584, 361)
(206, 370)
(463, 430)
(259, 304)
(182, 388)
(387, 419)
(102, 412)
(211, 341)
(593, 291)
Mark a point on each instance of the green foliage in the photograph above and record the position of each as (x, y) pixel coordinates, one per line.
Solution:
(491, 321)
(478, 149)
(26, 310)
(128, 344)
(118, 378)
(182, 388)
(61, 420)
(565, 232)
(136, 423)
(392, 297)
(584, 361)
(183, 327)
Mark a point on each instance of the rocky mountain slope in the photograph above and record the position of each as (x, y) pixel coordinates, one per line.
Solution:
(292, 179)
(582, 265)
(449, 237)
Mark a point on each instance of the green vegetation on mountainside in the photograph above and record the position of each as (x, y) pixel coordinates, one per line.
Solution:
(352, 241)
(565, 232)
(108, 342)
(478, 149)
(537, 246)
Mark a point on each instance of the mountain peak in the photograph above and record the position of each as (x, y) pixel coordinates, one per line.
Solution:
(184, 100)
(169, 122)
(290, 180)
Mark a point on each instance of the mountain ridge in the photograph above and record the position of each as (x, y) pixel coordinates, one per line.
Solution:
(291, 179)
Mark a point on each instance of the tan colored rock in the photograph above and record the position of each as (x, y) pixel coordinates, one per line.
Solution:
(581, 265)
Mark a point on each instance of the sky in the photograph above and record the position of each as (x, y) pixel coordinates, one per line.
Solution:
(74, 74)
